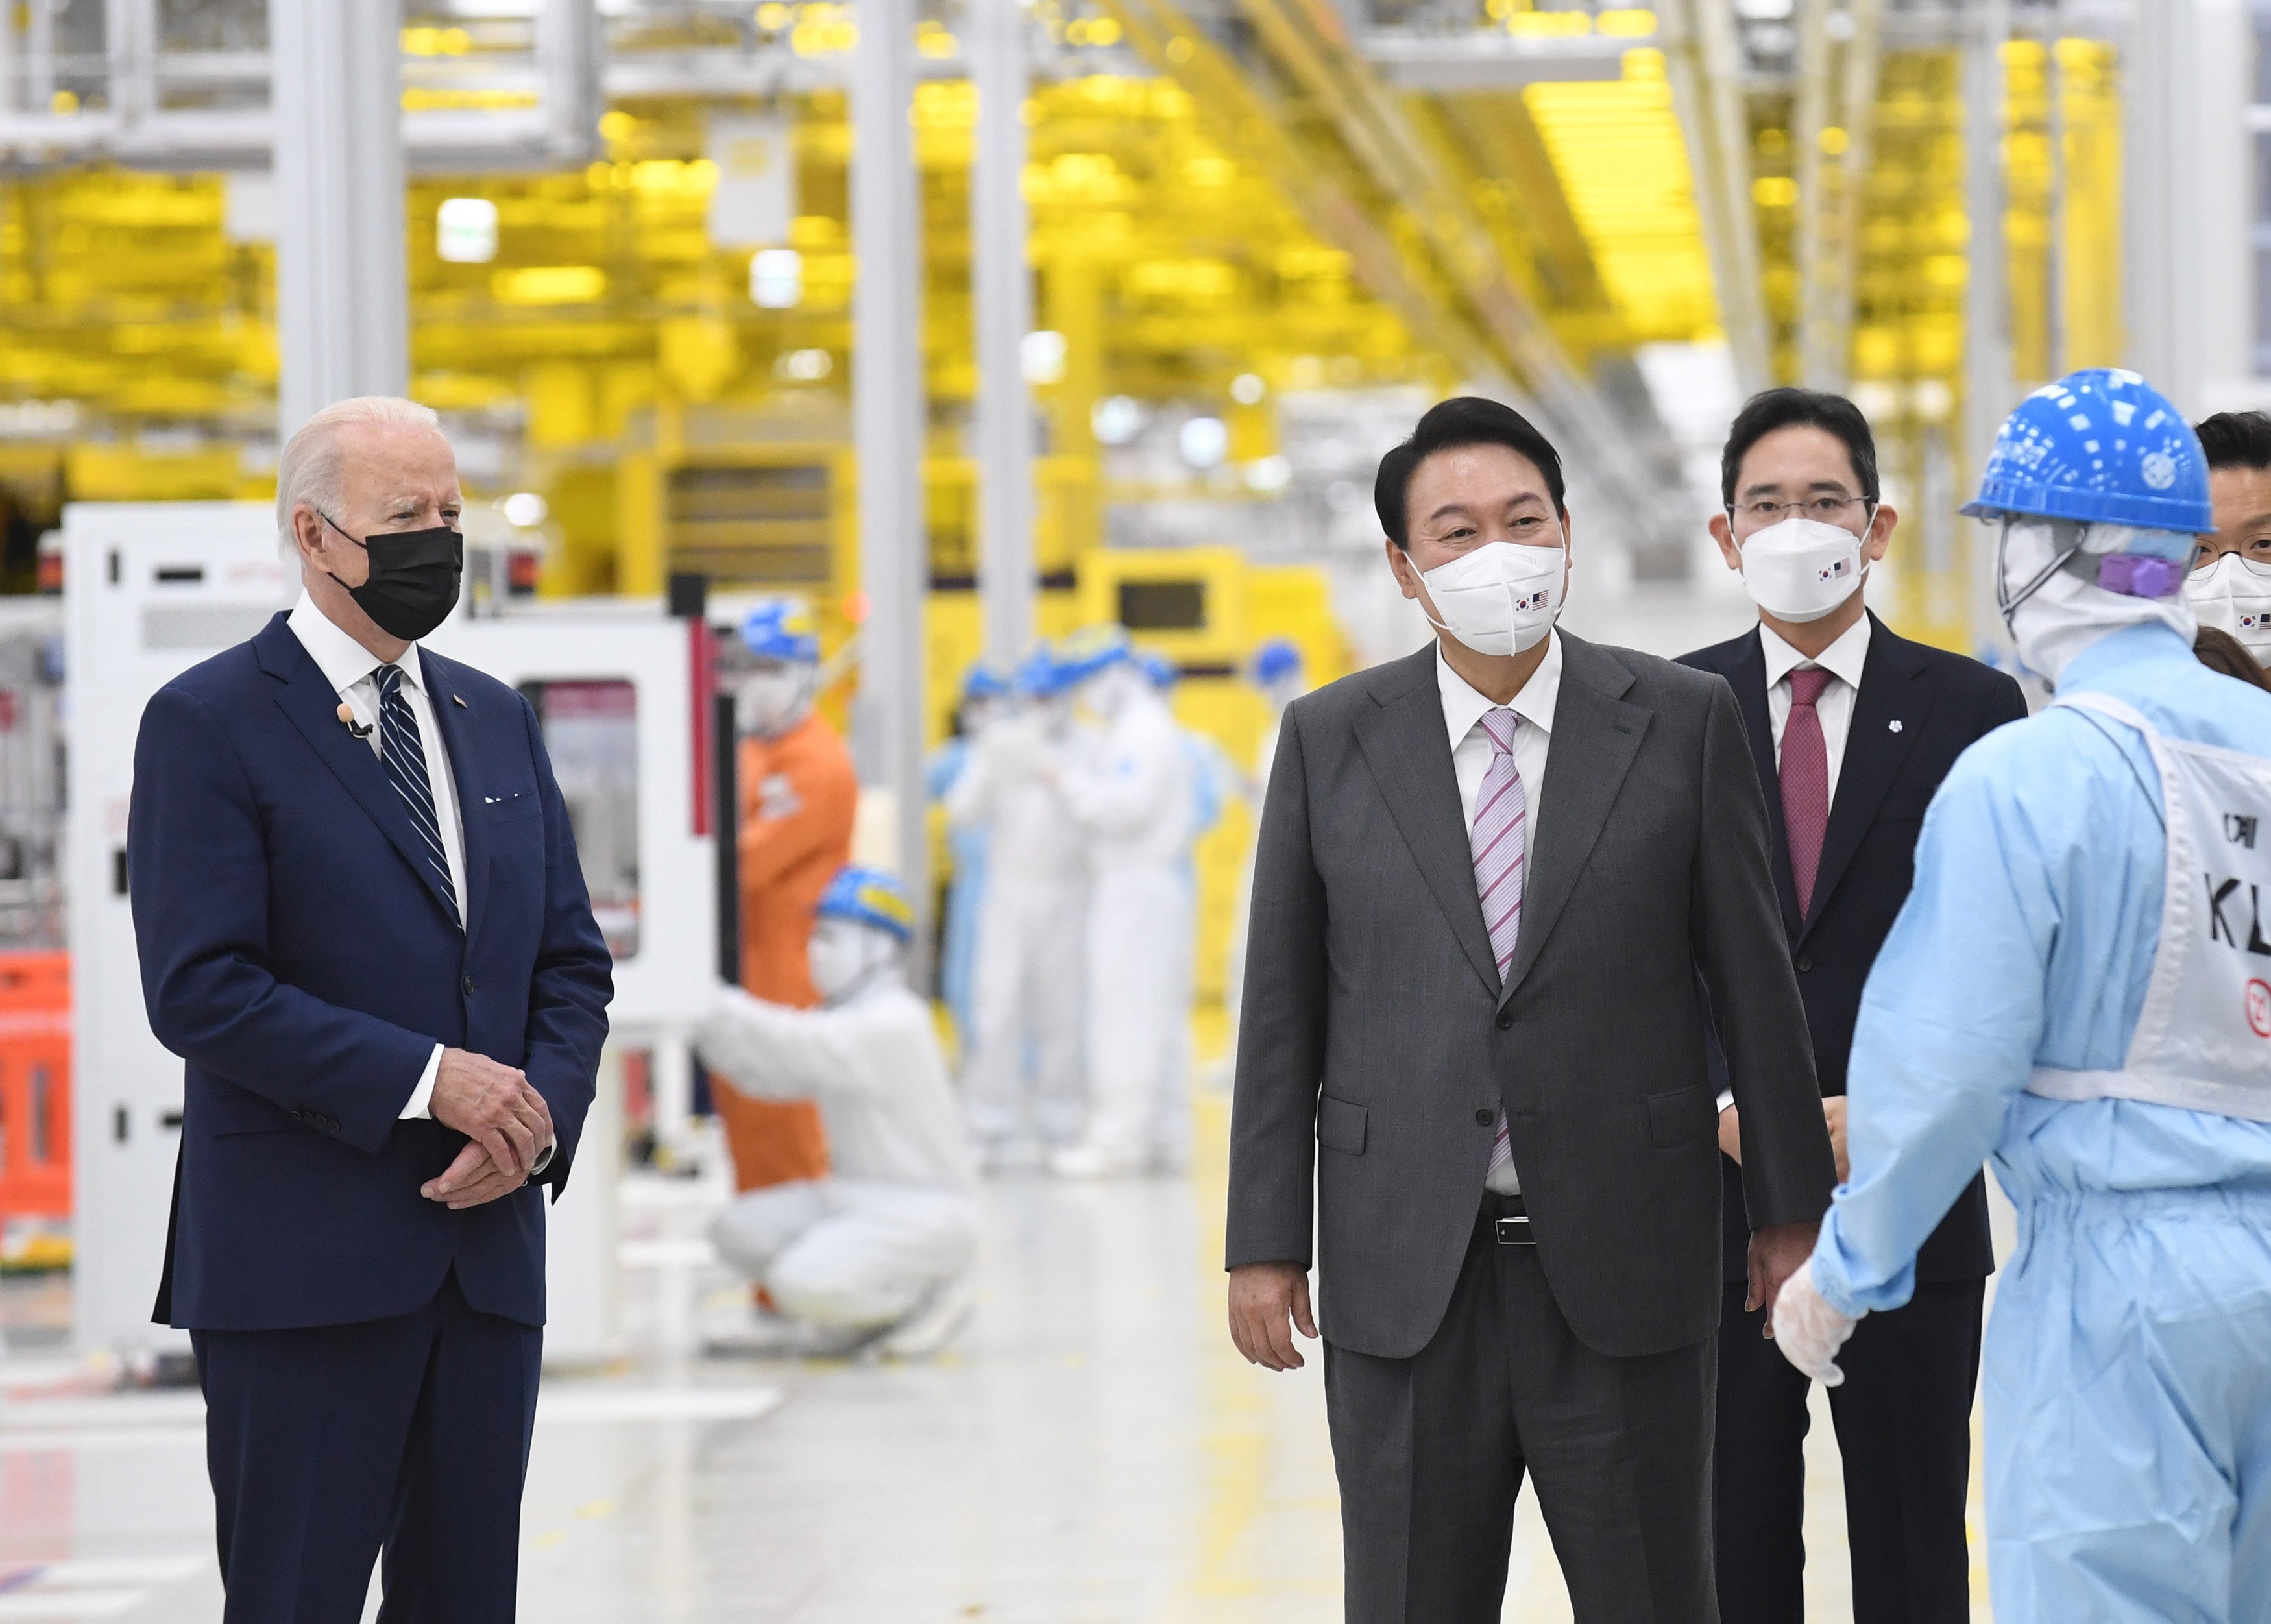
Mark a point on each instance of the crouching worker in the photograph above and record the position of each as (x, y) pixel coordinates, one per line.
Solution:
(879, 1251)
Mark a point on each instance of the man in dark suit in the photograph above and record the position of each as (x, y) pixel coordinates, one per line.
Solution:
(361, 922)
(1850, 730)
(1488, 877)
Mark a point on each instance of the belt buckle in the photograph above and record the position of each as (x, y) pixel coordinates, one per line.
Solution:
(1514, 1230)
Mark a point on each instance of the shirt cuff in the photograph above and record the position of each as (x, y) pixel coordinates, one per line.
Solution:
(1726, 1099)
(543, 1159)
(421, 1108)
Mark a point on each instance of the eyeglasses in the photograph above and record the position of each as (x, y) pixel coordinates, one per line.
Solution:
(2207, 558)
(1825, 510)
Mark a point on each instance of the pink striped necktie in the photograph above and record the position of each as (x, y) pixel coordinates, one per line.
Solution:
(1500, 840)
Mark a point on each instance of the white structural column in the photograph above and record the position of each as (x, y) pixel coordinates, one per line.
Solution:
(342, 304)
(887, 426)
(1986, 300)
(1002, 289)
(2186, 201)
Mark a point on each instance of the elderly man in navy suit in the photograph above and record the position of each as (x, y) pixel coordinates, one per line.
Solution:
(361, 923)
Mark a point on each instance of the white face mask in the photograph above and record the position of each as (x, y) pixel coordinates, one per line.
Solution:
(771, 701)
(1110, 691)
(2054, 614)
(845, 955)
(2234, 594)
(1801, 569)
(1500, 598)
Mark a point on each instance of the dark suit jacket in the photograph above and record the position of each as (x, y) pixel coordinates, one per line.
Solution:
(1374, 1024)
(1941, 703)
(298, 953)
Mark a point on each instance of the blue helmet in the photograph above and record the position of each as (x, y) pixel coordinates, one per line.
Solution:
(782, 629)
(870, 896)
(1276, 660)
(1162, 673)
(1037, 674)
(985, 680)
(2100, 446)
(1080, 655)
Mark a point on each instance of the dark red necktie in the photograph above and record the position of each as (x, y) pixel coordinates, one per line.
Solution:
(1805, 781)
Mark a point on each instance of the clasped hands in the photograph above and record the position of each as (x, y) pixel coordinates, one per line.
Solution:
(506, 1118)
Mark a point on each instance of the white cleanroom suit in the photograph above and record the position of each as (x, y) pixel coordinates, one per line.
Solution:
(892, 1230)
(1020, 1074)
(1132, 792)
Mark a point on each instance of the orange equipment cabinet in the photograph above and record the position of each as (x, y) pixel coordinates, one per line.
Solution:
(35, 1146)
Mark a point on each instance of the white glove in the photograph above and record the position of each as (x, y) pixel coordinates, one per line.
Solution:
(1808, 1329)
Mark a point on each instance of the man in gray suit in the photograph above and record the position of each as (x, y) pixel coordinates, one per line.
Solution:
(1496, 882)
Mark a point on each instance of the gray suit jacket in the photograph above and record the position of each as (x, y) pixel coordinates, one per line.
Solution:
(1374, 1025)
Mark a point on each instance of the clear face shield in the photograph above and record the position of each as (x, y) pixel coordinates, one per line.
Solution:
(2032, 552)
(845, 955)
(773, 695)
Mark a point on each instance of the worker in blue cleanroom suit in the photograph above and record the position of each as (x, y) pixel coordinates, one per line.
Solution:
(985, 696)
(1280, 674)
(1212, 779)
(2080, 984)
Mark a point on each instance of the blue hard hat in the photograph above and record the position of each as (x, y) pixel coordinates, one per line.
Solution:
(1080, 655)
(1037, 674)
(2100, 446)
(870, 896)
(1162, 672)
(782, 629)
(1275, 660)
(985, 680)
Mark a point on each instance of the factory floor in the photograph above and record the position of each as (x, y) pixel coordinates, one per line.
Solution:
(1091, 1449)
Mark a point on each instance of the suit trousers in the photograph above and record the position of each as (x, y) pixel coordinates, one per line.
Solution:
(1430, 1452)
(329, 1443)
(1903, 1418)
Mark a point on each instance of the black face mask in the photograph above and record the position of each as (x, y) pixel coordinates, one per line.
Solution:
(413, 578)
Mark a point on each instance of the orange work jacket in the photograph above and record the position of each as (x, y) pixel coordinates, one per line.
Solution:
(798, 796)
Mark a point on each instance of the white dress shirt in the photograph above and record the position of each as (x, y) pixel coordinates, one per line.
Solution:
(1843, 660)
(351, 671)
(1471, 759)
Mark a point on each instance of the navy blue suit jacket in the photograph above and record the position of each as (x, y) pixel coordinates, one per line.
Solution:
(1918, 708)
(298, 953)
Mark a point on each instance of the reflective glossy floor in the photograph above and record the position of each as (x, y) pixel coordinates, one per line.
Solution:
(1091, 1449)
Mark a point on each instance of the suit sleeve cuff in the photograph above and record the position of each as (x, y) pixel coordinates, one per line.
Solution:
(1726, 1099)
(420, 1108)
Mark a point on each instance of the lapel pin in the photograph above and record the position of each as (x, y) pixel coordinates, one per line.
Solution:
(1895, 724)
(460, 698)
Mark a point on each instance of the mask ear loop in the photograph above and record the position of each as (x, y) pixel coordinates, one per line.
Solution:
(2004, 599)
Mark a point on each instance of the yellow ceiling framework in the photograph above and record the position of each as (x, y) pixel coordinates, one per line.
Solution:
(1622, 163)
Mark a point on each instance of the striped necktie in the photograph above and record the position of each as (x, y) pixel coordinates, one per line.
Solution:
(1500, 839)
(403, 750)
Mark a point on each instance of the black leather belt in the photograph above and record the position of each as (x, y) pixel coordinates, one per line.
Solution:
(1506, 1220)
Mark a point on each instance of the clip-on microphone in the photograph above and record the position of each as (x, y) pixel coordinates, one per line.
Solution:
(348, 715)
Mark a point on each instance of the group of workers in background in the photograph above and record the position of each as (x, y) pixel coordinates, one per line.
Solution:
(1080, 799)
(1067, 970)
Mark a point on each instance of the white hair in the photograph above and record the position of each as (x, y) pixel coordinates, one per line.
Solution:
(309, 471)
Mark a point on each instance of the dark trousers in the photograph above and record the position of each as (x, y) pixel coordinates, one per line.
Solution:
(327, 1444)
(1903, 1418)
(1430, 1452)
